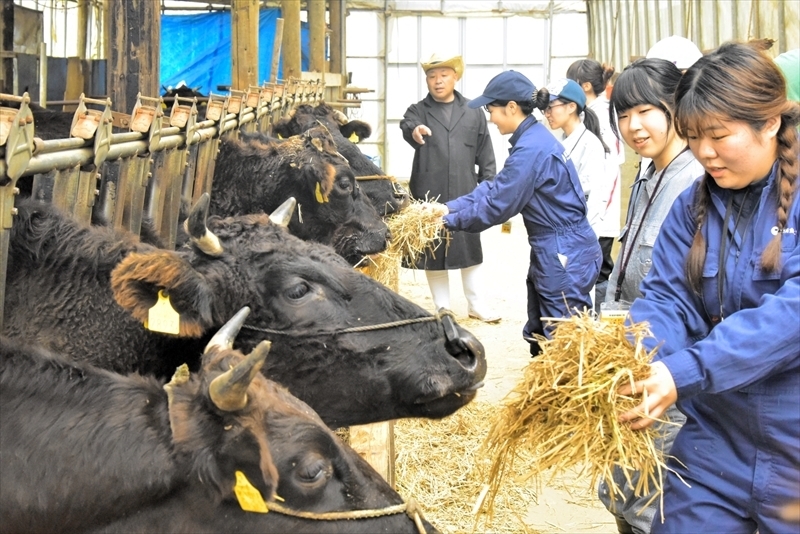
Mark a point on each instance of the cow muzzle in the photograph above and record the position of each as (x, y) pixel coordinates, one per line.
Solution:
(462, 345)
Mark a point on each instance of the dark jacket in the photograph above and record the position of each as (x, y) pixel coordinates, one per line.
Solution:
(445, 167)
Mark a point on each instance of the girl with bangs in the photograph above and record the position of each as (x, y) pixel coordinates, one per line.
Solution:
(643, 106)
(723, 302)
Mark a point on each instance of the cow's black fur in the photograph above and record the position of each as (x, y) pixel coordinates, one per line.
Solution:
(83, 291)
(82, 448)
(387, 197)
(257, 174)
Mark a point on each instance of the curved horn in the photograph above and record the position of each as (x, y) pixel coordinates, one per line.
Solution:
(228, 391)
(340, 117)
(195, 226)
(283, 213)
(225, 335)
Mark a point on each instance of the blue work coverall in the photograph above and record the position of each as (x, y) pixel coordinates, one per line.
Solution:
(539, 181)
(738, 379)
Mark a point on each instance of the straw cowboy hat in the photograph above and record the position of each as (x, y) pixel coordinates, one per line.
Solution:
(437, 61)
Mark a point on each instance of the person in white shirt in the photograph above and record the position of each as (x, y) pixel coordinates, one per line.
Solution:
(593, 78)
(582, 144)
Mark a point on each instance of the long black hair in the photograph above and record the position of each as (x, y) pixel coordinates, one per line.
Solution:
(645, 82)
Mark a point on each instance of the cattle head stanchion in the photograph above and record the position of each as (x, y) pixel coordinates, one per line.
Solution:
(16, 142)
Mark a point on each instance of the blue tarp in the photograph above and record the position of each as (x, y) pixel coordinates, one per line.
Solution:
(196, 49)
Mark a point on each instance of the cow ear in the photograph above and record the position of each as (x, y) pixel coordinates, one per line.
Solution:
(360, 128)
(137, 280)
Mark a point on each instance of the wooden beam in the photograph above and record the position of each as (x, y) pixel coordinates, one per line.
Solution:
(276, 51)
(317, 27)
(7, 56)
(290, 12)
(133, 51)
(336, 41)
(83, 21)
(244, 44)
(375, 443)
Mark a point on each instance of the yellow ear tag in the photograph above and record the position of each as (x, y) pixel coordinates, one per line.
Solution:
(320, 197)
(162, 317)
(249, 497)
(353, 138)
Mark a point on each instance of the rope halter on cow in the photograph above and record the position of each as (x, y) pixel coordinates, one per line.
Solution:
(444, 316)
(410, 508)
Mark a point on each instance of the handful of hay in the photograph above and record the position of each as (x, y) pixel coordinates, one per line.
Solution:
(414, 229)
(564, 412)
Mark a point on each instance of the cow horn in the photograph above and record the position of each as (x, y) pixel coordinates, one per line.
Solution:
(225, 335)
(283, 213)
(195, 226)
(340, 117)
(228, 391)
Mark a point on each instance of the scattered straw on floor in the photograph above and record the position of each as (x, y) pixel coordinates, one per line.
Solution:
(438, 463)
(414, 229)
(563, 414)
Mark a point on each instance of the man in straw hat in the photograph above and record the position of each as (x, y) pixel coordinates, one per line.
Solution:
(452, 154)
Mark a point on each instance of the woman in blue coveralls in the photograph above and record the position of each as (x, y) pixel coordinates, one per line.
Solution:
(723, 296)
(538, 181)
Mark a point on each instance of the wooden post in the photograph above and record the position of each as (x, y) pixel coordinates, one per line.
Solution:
(133, 45)
(83, 20)
(7, 55)
(276, 51)
(375, 443)
(244, 43)
(290, 12)
(336, 42)
(316, 26)
(75, 83)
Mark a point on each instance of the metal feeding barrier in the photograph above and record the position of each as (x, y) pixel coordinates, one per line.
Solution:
(146, 171)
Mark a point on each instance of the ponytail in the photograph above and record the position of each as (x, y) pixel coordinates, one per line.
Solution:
(592, 123)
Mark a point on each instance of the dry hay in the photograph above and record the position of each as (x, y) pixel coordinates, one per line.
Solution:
(440, 465)
(414, 229)
(563, 414)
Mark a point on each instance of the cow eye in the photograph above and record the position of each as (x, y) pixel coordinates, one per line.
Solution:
(314, 470)
(298, 291)
(345, 184)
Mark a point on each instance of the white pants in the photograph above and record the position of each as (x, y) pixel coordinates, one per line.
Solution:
(439, 283)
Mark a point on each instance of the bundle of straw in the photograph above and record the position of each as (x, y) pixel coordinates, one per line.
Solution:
(564, 412)
(414, 229)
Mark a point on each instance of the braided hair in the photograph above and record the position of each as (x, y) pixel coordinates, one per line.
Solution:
(712, 89)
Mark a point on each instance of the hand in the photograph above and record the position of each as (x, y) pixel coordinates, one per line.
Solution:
(418, 132)
(661, 394)
(435, 208)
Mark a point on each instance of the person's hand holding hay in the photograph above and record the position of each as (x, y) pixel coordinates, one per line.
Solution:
(565, 412)
(414, 228)
(658, 392)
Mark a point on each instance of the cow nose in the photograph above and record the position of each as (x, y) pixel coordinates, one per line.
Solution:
(462, 345)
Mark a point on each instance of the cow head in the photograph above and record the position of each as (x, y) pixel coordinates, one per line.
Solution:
(387, 197)
(308, 295)
(255, 174)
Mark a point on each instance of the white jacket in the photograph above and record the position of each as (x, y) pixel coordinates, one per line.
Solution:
(597, 175)
(609, 225)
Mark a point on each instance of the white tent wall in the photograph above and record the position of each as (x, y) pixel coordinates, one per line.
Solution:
(623, 30)
(385, 49)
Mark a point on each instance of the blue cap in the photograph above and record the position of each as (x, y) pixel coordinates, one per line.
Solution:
(568, 90)
(506, 86)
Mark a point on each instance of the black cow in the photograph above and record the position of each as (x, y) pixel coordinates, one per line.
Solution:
(256, 174)
(84, 291)
(388, 197)
(82, 448)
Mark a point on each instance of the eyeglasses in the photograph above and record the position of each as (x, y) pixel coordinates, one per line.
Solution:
(551, 106)
(486, 107)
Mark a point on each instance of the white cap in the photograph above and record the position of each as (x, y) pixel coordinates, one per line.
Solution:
(676, 49)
